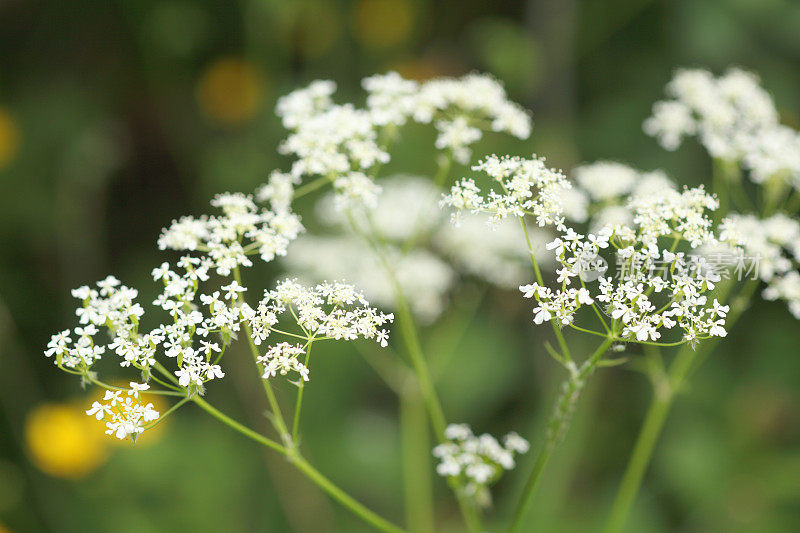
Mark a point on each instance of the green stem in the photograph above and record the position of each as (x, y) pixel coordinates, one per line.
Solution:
(311, 186)
(310, 472)
(556, 429)
(408, 330)
(298, 405)
(166, 414)
(345, 499)
(278, 421)
(233, 424)
(720, 186)
(410, 336)
(640, 458)
(792, 203)
(417, 464)
(685, 362)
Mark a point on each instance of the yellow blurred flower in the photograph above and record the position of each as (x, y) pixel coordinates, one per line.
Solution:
(62, 441)
(383, 23)
(231, 91)
(4, 529)
(9, 138)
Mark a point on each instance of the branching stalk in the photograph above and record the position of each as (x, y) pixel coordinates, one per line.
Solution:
(557, 427)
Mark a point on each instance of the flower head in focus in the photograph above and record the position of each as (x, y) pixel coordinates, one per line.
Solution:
(125, 416)
(656, 287)
(240, 231)
(526, 187)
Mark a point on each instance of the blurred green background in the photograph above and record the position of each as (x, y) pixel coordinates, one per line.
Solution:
(116, 117)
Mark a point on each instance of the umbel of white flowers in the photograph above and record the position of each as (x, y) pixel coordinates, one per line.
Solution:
(337, 142)
(734, 118)
(345, 145)
(203, 322)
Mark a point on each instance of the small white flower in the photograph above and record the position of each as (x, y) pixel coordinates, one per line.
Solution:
(478, 461)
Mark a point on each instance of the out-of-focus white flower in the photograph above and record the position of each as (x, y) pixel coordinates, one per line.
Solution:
(476, 462)
(605, 179)
(575, 204)
(407, 212)
(733, 117)
(612, 186)
(424, 278)
(391, 99)
(302, 104)
(773, 247)
(495, 252)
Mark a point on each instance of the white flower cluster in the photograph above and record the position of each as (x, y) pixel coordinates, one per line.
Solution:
(655, 289)
(278, 191)
(125, 416)
(427, 271)
(391, 98)
(459, 108)
(734, 118)
(343, 143)
(195, 363)
(456, 106)
(333, 142)
(203, 324)
(283, 358)
(527, 186)
(605, 188)
(476, 461)
(302, 104)
(111, 306)
(774, 245)
(673, 213)
(326, 311)
(242, 230)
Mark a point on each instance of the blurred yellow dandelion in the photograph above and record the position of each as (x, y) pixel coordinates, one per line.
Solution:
(231, 91)
(62, 441)
(9, 138)
(383, 23)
